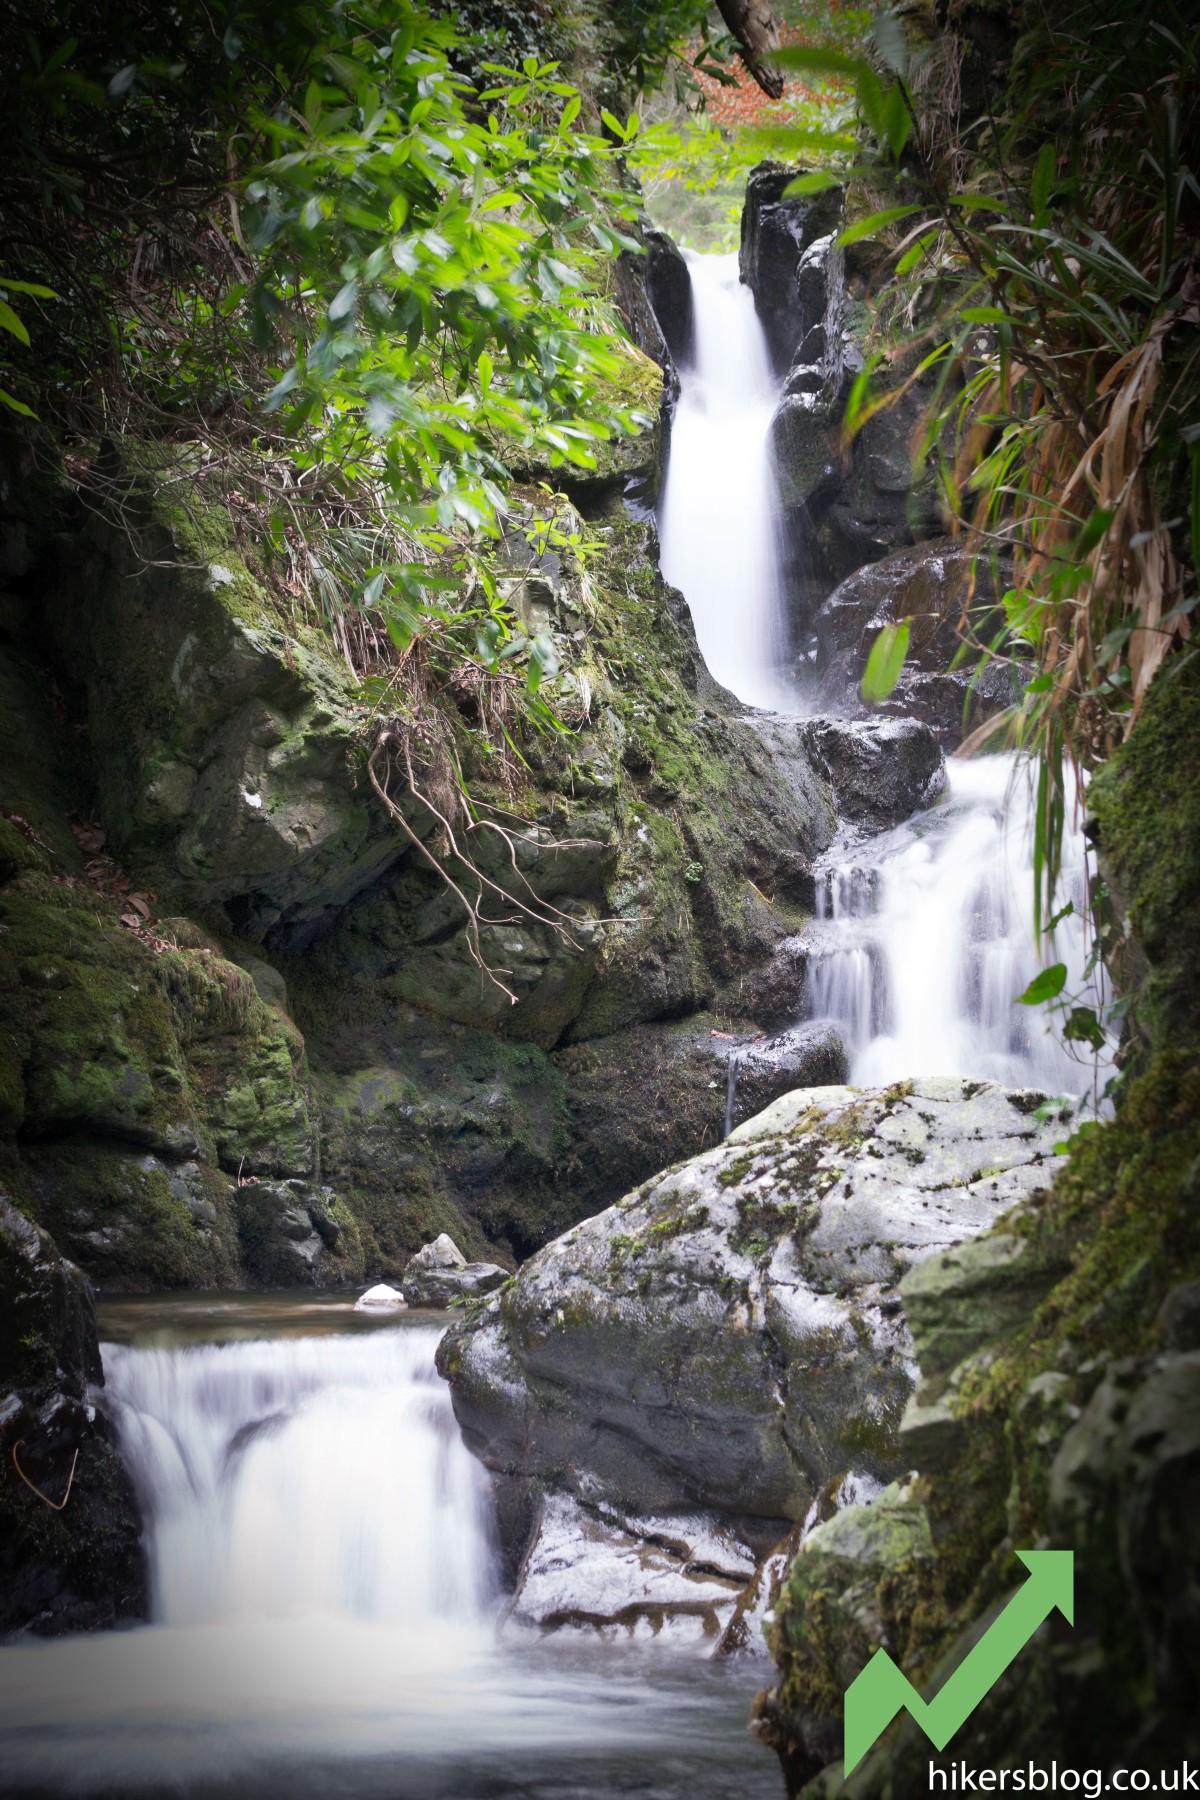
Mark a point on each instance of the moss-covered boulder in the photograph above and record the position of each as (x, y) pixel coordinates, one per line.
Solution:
(730, 1335)
(223, 734)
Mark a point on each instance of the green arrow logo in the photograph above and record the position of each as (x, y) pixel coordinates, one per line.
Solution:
(876, 1695)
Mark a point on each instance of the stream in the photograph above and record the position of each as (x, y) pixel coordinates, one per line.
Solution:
(327, 1610)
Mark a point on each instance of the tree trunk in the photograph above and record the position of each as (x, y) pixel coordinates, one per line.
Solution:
(753, 25)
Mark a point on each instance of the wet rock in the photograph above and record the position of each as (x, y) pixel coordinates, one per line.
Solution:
(852, 1584)
(442, 1287)
(781, 258)
(674, 1578)
(806, 1056)
(78, 1566)
(654, 290)
(776, 993)
(930, 585)
(881, 770)
(1124, 1490)
(439, 1274)
(296, 1234)
(731, 1335)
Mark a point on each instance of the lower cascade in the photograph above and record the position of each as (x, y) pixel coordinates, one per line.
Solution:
(327, 1611)
(296, 1477)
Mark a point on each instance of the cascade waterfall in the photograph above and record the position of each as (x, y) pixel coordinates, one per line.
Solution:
(923, 937)
(290, 1477)
(326, 1605)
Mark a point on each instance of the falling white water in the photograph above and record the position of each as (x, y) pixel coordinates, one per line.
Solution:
(924, 941)
(294, 1477)
(719, 516)
(325, 1602)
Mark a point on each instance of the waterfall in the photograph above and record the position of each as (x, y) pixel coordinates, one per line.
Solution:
(325, 1611)
(312, 1476)
(719, 518)
(923, 941)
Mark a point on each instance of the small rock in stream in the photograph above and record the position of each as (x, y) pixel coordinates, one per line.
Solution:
(381, 1297)
(439, 1273)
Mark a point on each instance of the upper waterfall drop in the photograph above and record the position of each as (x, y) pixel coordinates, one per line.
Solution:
(719, 517)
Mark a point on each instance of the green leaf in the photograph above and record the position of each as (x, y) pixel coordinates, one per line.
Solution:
(913, 255)
(27, 287)
(1045, 169)
(10, 322)
(17, 406)
(1093, 531)
(897, 121)
(1083, 1027)
(985, 315)
(979, 203)
(885, 663)
(819, 182)
(865, 228)
(1046, 986)
(888, 33)
(810, 59)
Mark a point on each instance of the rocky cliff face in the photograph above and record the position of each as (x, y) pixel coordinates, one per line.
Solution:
(245, 1037)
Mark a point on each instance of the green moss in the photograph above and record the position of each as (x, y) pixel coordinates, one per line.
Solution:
(124, 1217)
(1146, 801)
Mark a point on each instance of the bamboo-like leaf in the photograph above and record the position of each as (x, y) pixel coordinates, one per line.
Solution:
(865, 228)
(885, 663)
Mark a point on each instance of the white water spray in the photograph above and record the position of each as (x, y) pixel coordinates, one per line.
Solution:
(284, 1478)
(718, 522)
(924, 940)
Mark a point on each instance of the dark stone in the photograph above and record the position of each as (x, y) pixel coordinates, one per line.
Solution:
(81, 1568)
(788, 285)
(810, 1055)
(285, 1231)
(881, 770)
(930, 585)
(442, 1287)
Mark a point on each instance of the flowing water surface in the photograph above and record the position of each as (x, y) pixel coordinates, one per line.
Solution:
(328, 1617)
(924, 935)
(719, 516)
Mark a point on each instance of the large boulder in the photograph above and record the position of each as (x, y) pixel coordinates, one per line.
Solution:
(731, 1335)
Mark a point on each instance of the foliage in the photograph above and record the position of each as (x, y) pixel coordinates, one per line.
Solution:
(306, 267)
(699, 140)
(1044, 265)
